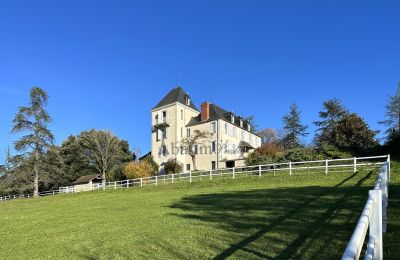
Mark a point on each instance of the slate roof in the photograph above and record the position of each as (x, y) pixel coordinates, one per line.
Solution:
(176, 95)
(217, 112)
(87, 178)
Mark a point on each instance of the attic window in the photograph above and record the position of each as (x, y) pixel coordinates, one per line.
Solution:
(241, 123)
(187, 100)
(232, 119)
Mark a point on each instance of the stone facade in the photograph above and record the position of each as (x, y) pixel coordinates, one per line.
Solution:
(229, 138)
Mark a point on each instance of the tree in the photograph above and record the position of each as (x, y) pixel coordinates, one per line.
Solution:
(269, 135)
(191, 143)
(393, 113)
(352, 134)
(33, 120)
(293, 129)
(53, 169)
(252, 122)
(332, 112)
(135, 170)
(76, 164)
(104, 151)
(172, 166)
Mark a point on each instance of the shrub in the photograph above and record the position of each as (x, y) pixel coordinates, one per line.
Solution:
(332, 152)
(267, 153)
(172, 166)
(302, 154)
(135, 170)
(153, 164)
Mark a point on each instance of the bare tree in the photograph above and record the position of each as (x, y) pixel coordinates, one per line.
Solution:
(102, 149)
(269, 135)
(191, 143)
(393, 112)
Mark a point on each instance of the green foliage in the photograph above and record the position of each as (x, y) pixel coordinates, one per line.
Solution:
(153, 164)
(117, 173)
(172, 166)
(76, 164)
(332, 152)
(352, 134)
(33, 121)
(332, 113)
(53, 171)
(301, 154)
(293, 128)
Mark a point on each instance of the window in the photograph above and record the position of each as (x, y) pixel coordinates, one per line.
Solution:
(213, 127)
(188, 167)
(241, 123)
(156, 119)
(181, 114)
(164, 150)
(213, 147)
(226, 128)
(188, 132)
(164, 133)
(158, 135)
(181, 131)
(187, 100)
(213, 165)
(232, 119)
(164, 115)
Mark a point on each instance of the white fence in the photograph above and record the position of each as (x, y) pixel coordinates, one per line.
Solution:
(326, 166)
(373, 216)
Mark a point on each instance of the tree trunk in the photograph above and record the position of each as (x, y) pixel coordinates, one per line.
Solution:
(36, 173)
(103, 175)
(194, 163)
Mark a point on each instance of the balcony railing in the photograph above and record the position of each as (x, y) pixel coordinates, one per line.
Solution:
(161, 122)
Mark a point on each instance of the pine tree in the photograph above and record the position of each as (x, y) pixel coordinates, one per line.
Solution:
(293, 128)
(33, 121)
(333, 112)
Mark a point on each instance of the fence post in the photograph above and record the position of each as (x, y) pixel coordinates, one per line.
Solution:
(388, 167)
(172, 178)
(384, 194)
(274, 169)
(115, 185)
(259, 170)
(127, 183)
(326, 166)
(210, 174)
(290, 168)
(141, 182)
(156, 180)
(190, 176)
(375, 226)
(233, 173)
(355, 164)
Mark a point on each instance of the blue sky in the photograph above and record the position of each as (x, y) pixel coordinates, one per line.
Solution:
(106, 63)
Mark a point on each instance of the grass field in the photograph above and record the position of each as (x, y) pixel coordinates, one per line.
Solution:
(304, 216)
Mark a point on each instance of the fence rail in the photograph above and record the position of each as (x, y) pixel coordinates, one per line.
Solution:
(373, 217)
(272, 168)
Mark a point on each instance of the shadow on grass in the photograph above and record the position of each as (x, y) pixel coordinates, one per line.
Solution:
(301, 222)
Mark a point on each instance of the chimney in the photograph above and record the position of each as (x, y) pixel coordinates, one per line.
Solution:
(205, 111)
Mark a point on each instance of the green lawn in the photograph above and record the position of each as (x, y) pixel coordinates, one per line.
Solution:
(306, 216)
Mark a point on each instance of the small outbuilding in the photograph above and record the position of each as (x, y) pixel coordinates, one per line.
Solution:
(86, 183)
